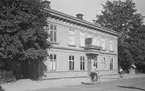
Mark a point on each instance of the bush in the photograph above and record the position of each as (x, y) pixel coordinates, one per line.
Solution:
(6, 76)
(1, 89)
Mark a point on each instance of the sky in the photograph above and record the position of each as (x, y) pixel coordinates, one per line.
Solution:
(89, 8)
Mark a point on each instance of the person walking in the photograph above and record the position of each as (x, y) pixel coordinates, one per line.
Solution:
(120, 72)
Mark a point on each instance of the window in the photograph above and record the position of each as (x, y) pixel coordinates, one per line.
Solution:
(111, 63)
(82, 63)
(103, 44)
(96, 41)
(103, 62)
(89, 36)
(71, 62)
(82, 39)
(47, 63)
(53, 29)
(71, 36)
(52, 62)
(95, 62)
(111, 46)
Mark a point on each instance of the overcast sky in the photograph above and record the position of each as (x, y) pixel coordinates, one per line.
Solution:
(87, 7)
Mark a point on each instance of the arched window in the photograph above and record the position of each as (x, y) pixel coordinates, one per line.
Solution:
(103, 62)
(111, 63)
(96, 62)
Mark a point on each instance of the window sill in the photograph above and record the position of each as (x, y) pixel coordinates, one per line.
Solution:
(71, 45)
(103, 49)
(82, 70)
(82, 46)
(51, 71)
(71, 70)
(111, 51)
(54, 42)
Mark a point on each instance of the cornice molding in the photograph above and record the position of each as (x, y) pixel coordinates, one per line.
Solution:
(85, 51)
(71, 19)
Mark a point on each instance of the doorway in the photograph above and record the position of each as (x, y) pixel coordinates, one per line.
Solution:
(92, 59)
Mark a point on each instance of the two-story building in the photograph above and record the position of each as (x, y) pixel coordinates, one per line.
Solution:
(77, 45)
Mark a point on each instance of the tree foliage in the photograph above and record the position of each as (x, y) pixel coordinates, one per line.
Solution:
(21, 30)
(122, 17)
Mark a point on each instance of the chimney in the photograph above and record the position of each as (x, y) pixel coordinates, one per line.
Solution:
(46, 4)
(79, 16)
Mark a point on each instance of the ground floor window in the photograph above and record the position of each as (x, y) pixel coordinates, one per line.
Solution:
(95, 62)
(111, 63)
(52, 62)
(103, 62)
(71, 62)
(82, 63)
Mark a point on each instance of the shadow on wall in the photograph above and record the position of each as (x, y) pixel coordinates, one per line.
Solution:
(35, 69)
(131, 87)
(25, 69)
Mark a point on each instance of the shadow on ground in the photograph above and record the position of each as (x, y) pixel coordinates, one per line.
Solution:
(88, 83)
(131, 87)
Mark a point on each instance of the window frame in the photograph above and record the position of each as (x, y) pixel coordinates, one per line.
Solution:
(103, 44)
(53, 60)
(53, 32)
(96, 62)
(111, 46)
(71, 36)
(103, 62)
(82, 63)
(82, 38)
(71, 63)
(111, 63)
(96, 41)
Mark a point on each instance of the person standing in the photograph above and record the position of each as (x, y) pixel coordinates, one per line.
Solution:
(94, 74)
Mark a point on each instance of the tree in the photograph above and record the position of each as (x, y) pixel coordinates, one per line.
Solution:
(22, 35)
(122, 17)
(137, 41)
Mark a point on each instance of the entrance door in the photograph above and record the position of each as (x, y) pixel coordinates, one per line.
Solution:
(91, 62)
(89, 66)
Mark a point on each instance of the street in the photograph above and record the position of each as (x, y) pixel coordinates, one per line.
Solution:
(132, 84)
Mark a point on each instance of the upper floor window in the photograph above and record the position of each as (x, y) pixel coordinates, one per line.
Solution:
(82, 63)
(52, 62)
(71, 62)
(103, 44)
(96, 41)
(111, 46)
(53, 30)
(82, 39)
(71, 36)
(89, 36)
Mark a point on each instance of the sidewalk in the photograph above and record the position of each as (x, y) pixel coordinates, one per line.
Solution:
(27, 84)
